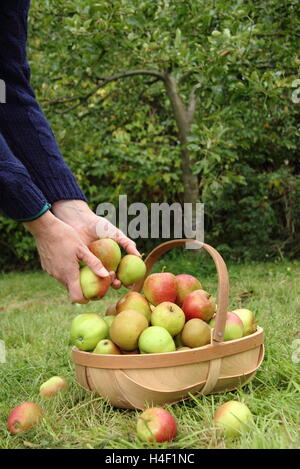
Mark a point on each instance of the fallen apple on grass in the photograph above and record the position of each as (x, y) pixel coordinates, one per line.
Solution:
(93, 287)
(87, 330)
(170, 316)
(186, 284)
(24, 417)
(233, 418)
(131, 269)
(156, 424)
(156, 339)
(53, 386)
(160, 287)
(199, 304)
(108, 251)
(234, 328)
(136, 301)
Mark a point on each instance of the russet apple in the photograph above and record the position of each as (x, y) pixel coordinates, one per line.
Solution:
(24, 417)
(52, 386)
(199, 304)
(108, 251)
(196, 333)
(248, 320)
(233, 418)
(131, 269)
(170, 316)
(234, 328)
(160, 287)
(106, 346)
(156, 339)
(186, 284)
(93, 287)
(87, 330)
(136, 301)
(126, 329)
(156, 424)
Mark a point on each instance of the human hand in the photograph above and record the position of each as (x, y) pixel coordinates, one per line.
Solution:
(61, 248)
(91, 227)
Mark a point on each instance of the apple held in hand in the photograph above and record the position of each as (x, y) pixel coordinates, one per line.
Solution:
(160, 287)
(233, 418)
(24, 417)
(53, 386)
(108, 251)
(169, 316)
(126, 329)
(131, 269)
(234, 328)
(156, 424)
(156, 339)
(106, 346)
(136, 301)
(196, 333)
(186, 284)
(87, 330)
(199, 304)
(248, 320)
(93, 287)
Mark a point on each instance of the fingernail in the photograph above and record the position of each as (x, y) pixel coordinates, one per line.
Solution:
(103, 272)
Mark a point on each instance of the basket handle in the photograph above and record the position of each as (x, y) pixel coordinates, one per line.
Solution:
(223, 282)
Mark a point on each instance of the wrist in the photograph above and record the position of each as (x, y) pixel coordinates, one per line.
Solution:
(42, 225)
(77, 214)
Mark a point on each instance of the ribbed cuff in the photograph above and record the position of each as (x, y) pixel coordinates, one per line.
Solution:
(63, 187)
(38, 215)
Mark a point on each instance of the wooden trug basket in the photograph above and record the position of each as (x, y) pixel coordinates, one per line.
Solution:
(135, 381)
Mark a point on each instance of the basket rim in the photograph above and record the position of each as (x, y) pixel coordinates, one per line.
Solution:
(169, 359)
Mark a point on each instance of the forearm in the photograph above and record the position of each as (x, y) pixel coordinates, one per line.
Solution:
(22, 122)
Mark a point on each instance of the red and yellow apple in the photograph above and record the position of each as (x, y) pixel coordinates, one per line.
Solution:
(199, 304)
(156, 424)
(93, 287)
(108, 251)
(52, 386)
(24, 417)
(186, 284)
(136, 301)
(234, 328)
(160, 287)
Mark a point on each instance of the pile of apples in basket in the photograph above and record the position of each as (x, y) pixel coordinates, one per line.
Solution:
(174, 313)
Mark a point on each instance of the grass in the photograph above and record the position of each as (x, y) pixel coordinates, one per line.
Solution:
(35, 316)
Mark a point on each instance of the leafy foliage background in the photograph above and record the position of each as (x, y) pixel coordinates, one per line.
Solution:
(122, 138)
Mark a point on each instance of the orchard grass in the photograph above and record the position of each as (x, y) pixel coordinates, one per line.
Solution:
(35, 317)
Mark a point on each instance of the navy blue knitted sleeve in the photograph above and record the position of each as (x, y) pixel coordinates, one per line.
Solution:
(22, 122)
(20, 199)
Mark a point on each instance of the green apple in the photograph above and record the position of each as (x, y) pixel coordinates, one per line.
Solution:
(87, 330)
(233, 418)
(106, 346)
(170, 316)
(248, 320)
(108, 251)
(131, 269)
(93, 287)
(136, 301)
(156, 339)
